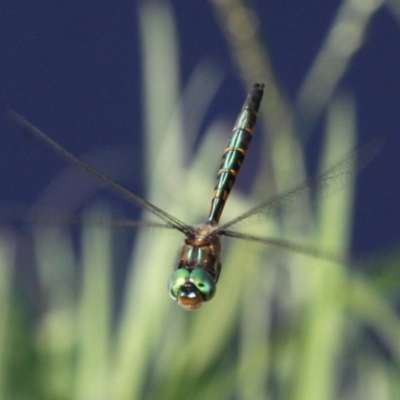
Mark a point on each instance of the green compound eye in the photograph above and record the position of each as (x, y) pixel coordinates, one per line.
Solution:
(204, 283)
(198, 278)
(176, 281)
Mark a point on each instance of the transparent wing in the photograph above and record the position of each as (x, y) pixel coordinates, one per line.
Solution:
(116, 187)
(291, 246)
(324, 184)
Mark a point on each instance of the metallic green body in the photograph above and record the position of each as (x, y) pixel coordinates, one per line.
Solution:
(235, 151)
(201, 249)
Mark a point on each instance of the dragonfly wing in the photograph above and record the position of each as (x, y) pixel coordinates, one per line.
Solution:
(59, 219)
(324, 184)
(20, 214)
(108, 182)
(287, 245)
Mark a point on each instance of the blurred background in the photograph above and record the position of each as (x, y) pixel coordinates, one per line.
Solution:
(147, 92)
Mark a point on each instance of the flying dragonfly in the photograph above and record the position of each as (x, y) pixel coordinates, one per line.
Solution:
(195, 279)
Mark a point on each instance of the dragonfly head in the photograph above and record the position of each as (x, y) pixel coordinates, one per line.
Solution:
(190, 288)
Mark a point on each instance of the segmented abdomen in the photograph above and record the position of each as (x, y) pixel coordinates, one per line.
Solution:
(235, 151)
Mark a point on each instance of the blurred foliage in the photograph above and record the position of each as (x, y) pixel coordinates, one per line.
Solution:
(282, 326)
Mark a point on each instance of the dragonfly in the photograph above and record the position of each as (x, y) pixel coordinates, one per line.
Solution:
(194, 281)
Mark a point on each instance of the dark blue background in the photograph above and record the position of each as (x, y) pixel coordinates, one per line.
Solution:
(73, 69)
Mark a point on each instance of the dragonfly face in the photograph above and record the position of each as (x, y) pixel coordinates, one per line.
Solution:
(190, 288)
(194, 282)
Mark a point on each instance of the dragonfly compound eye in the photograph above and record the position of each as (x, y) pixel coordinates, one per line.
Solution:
(191, 288)
(176, 281)
(204, 283)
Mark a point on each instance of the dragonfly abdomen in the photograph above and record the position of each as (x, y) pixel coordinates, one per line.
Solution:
(235, 151)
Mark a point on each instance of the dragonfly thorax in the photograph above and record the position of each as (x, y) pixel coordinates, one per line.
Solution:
(201, 249)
